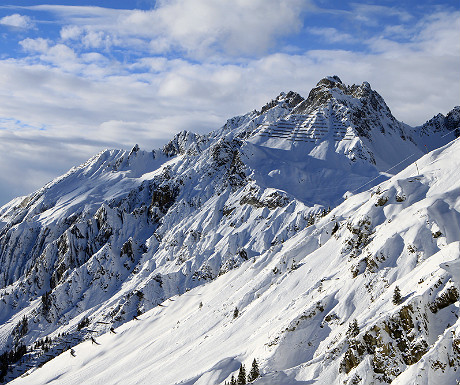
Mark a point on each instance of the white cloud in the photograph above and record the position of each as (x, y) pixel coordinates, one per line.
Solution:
(70, 32)
(39, 45)
(440, 34)
(195, 27)
(17, 21)
(232, 26)
(436, 35)
(95, 39)
(372, 14)
(59, 55)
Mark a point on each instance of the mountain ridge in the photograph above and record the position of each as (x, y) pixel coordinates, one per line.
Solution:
(320, 289)
(126, 230)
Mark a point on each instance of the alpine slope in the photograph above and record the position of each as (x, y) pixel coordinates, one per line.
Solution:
(316, 235)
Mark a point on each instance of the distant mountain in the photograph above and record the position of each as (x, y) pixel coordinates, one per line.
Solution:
(251, 216)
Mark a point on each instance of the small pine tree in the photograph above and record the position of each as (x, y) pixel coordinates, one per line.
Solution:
(254, 373)
(47, 301)
(233, 381)
(21, 329)
(353, 329)
(397, 298)
(83, 323)
(4, 360)
(335, 228)
(236, 312)
(241, 376)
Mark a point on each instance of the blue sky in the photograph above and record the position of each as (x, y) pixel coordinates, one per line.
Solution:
(77, 77)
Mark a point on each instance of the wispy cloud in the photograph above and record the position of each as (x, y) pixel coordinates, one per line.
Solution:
(435, 35)
(372, 14)
(332, 35)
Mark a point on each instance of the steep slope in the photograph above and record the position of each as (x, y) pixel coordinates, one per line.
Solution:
(120, 234)
(298, 301)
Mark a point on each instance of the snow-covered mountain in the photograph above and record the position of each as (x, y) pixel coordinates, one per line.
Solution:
(253, 217)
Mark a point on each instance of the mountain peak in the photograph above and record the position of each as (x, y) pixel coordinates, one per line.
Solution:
(321, 94)
(330, 81)
(354, 115)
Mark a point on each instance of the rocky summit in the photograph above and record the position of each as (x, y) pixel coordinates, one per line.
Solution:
(314, 239)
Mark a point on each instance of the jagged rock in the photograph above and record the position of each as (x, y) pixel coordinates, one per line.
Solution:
(183, 142)
(289, 100)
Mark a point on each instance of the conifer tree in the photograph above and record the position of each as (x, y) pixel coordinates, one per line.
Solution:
(235, 312)
(47, 301)
(233, 381)
(397, 298)
(353, 329)
(241, 376)
(254, 373)
(4, 361)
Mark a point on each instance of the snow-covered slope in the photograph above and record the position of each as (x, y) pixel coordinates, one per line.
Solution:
(232, 216)
(297, 300)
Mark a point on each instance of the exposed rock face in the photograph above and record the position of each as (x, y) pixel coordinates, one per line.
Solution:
(441, 123)
(453, 121)
(321, 94)
(288, 101)
(185, 141)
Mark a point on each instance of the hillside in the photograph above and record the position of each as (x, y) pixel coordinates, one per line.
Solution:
(251, 216)
(297, 300)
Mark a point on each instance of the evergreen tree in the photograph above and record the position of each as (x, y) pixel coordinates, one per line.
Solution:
(241, 376)
(397, 298)
(233, 381)
(4, 360)
(235, 312)
(21, 329)
(353, 329)
(254, 373)
(24, 326)
(335, 228)
(83, 323)
(47, 301)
